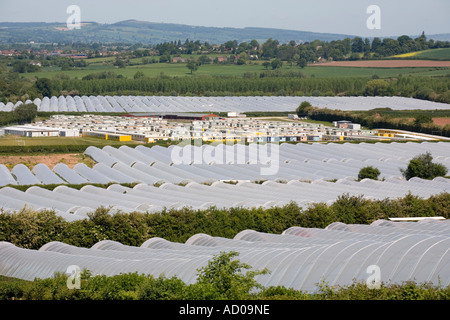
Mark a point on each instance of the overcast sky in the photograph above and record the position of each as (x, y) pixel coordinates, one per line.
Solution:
(398, 17)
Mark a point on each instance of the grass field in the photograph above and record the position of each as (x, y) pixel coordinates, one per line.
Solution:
(433, 54)
(180, 70)
(40, 141)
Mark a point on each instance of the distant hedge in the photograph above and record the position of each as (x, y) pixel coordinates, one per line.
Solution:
(75, 148)
(43, 149)
(32, 230)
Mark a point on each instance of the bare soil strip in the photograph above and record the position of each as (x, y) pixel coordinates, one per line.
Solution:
(50, 160)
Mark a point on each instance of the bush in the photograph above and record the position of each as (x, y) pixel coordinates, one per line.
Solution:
(422, 166)
(301, 110)
(222, 278)
(368, 173)
(161, 288)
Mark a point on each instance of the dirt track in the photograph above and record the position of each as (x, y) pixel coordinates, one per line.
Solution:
(385, 63)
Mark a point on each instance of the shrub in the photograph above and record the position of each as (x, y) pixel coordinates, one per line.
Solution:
(422, 166)
(223, 278)
(161, 288)
(368, 173)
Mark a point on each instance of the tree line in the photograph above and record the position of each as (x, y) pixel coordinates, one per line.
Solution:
(434, 89)
(376, 118)
(24, 113)
(271, 83)
(301, 53)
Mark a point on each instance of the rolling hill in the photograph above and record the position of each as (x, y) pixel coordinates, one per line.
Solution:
(133, 31)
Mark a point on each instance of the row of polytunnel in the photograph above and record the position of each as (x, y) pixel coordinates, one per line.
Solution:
(216, 104)
(75, 204)
(207, 163)
(147, 179)
(299, 258)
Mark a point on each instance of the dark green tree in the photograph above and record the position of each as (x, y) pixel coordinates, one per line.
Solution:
(423, 119)
(20, 66)
(368, 173)
(44, 87)
(376, 87)
(138, 75)
(266, 64)
(25, 112)
(192, 66)
(357, 44)
(301, 110)
(276, 64)
(302, 63)
(422, 166)
(223, 278)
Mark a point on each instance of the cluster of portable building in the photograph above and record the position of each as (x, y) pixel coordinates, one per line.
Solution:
(125, 104)
(149, 129)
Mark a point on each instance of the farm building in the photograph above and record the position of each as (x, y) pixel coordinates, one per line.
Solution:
(34, 131)
(107, 135)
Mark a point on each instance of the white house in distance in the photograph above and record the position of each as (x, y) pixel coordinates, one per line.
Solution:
(34, 131)
(347, 125)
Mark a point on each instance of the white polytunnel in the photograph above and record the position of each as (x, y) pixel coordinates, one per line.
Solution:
(68, 174)
(100, 156)
(5, 176)
(248, 194)
(135, 153)
(161, 175)
(138, 175)
(17, 200)
(24, 176)
(161, 199)
(217, 104)
(90, 174)
(300, 162)
(119, 155)
(113, 174)
(46, 176)
(97, 200)
(299, 258)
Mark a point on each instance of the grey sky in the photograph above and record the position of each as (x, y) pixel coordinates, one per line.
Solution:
(398, 17)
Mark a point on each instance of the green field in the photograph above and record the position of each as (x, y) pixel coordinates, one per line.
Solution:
(432, 54)
(180, 70)
(435, 54)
